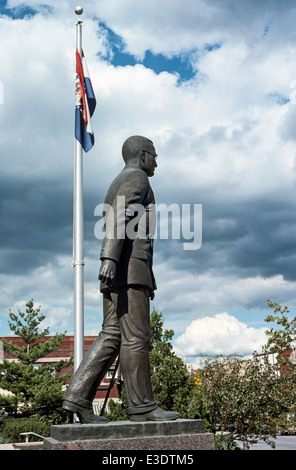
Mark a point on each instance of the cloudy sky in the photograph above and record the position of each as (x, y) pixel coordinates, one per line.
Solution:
(213, 84)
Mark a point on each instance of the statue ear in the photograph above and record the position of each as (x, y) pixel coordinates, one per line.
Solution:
(142, 156)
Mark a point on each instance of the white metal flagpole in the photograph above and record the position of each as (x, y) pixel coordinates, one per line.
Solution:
(78, 233)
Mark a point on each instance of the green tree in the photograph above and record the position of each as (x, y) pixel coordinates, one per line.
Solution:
(173, 386)
(281, 341)
(243, 396)
(37, 389)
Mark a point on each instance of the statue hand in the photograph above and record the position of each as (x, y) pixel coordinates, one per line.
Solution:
(107, 271)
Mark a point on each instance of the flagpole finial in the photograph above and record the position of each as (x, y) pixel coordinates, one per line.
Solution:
(78, 10)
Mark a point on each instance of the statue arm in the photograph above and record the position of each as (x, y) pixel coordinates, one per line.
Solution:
(133, 191)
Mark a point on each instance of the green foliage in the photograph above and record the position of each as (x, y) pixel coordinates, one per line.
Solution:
(246, 394)
(11, 429)
(118, 410)
(25, 325)
(197, 408)
(4, 441)
(280, 339)
(257, 397)
(173, 386)
(226, 442)
(8, 404)
(36, 389)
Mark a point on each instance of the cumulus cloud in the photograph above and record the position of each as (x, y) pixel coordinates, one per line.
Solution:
(221, 334)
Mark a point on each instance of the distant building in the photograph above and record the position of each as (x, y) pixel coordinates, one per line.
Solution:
(65, 352)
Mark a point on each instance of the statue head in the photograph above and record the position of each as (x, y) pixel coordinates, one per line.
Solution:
(138, 151)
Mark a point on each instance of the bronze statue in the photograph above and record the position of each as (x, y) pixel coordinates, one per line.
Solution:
(127, 284)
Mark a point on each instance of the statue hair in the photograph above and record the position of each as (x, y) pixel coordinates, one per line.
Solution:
(133, 145)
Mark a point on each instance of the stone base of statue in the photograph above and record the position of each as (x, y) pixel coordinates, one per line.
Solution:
(182, 434)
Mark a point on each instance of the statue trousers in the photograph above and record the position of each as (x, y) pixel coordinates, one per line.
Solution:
(125, 332)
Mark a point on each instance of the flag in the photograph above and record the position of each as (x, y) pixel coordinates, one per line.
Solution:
(85, 104)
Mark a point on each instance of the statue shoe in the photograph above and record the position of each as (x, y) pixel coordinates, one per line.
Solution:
(155, 415)
(85, 415)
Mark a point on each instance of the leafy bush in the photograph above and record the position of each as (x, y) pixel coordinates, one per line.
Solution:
(226, 442)
(8, 404)
(11, 429)
(4, 441)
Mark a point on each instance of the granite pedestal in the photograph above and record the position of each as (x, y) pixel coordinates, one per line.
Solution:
(182, 434)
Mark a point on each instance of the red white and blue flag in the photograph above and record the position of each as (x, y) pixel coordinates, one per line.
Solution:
(85, 104)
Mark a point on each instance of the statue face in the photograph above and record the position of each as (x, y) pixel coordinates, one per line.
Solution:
(149, 160)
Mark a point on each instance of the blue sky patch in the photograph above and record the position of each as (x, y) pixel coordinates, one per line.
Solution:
(158, 63)
(21, 11)
(212, 47)
(280, 99)
(16, 12)
(179, 64)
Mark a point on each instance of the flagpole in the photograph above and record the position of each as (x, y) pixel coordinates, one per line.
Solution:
(78, 233)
